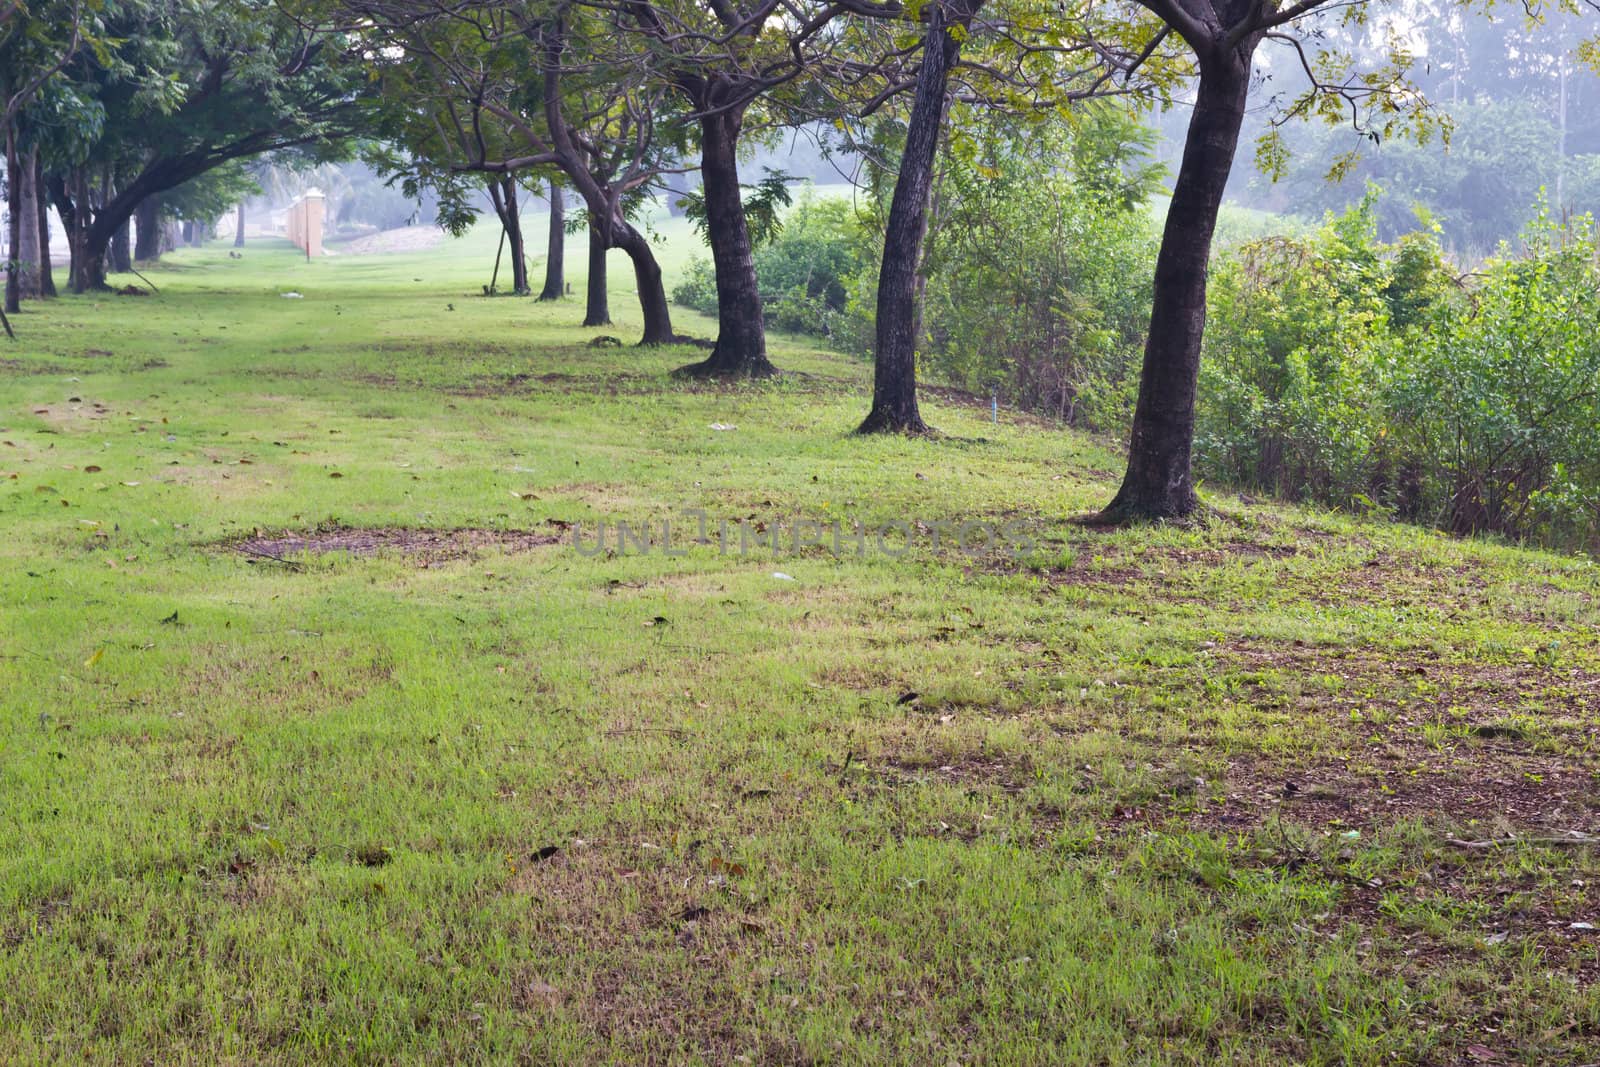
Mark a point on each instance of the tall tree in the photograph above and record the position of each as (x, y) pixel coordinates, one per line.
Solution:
(483, 76)
(894, 380)
(1222, 37)
(505, 195)
(196, 89)
(726, 59)
(36, 45)
(1019, 65)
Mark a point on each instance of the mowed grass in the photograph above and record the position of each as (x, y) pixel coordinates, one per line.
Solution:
(1289, 788)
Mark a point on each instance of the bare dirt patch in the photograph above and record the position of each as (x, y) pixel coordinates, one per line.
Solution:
(426, 546)
(1465, 784)
(1415, 736)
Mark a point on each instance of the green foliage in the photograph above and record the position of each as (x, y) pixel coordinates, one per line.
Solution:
(806, 271)
(1038, 276)
(203, 198)
(763, 208)
(1351, 372)
(1498, 406)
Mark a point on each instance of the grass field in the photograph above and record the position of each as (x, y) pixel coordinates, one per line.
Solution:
(1289, 788)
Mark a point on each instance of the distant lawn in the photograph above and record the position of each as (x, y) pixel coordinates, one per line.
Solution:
(323, 742)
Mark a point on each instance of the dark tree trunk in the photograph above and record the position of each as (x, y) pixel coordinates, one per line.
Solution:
(89, 237)
(652, 290)
(121, 257)
(13, 297)
(1159, 483)
(60, 196)
(894, 376)
(147, 220)
(597, 307)
(741, 349)
(28, 248)
(188, 232)
(513, 224)
(555, 281)
(91, 269)
(47, 276)
(238, 227)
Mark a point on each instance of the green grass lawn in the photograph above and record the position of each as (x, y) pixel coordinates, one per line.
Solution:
(1240, 794)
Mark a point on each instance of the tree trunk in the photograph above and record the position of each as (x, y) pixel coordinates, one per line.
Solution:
(28, 248)
(121, 259)
(147, 220)
(1159, 483)
(597, 308)
(61, 197)
(47, 277)
(652, 291)
(238, 227)
(555, 281)
(894, 375)
(513, 220)
(90, 235)
(91, 270)
(741, 349)
(13, 297)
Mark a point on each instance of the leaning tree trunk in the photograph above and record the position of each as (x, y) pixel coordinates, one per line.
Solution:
(741, 349)
(597, 307)
(147, 222)
(894, 376)
(555, 281)
(47, 277)
(238, 227)
(513, 223)
(1159, 483)
(652, 289)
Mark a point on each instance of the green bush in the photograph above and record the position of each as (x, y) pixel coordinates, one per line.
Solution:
(1499, 403)
(1351, 372)
(1038, 267)
(804, 271)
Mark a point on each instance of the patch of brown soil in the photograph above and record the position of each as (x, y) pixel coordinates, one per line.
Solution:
(1463, 784)
(17, 366)
(1417, 688)
(73, 410)
(428, 546)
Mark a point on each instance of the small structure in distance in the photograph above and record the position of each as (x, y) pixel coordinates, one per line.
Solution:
(305, 222)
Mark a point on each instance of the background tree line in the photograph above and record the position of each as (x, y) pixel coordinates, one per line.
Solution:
(1005, 239)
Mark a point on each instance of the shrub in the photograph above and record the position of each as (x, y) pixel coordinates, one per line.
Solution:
(804, 271)
(1346, 371)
